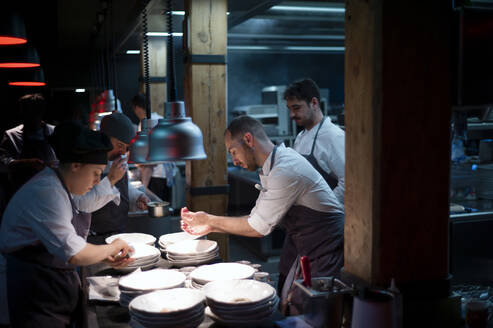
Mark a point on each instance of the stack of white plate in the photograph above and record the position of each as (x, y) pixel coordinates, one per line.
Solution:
(146, 257)
(219, 271)
(192, 252)
(173, 238)
(240, 302)
(178, 307)
(133, 238)
(142, 282)
(485, 181)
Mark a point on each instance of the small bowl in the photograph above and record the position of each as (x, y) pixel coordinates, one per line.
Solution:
(158, 209)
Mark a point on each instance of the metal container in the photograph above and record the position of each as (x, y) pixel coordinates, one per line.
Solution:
(324, 302)
(158, 209)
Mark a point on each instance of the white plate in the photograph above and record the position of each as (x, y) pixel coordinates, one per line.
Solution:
(192, 258)
(153, 279)
(234, 323)
(168, 301)
(142, 251)
(192, 247)
(172, 238)
(221, 271)
(233, 292)
(133, 238)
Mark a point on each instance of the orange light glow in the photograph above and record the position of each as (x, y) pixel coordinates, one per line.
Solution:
(28, 84)
(8, 40)
(18, 65)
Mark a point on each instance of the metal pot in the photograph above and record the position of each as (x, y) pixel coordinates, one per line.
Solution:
(158, 209)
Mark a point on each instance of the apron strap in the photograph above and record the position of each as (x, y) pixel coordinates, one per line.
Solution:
(316, 135)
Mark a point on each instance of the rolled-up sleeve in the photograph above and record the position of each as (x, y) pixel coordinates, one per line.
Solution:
(274, 201)
(97, 197)
(52, 224)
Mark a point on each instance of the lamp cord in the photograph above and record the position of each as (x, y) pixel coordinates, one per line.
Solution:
(170, 54)
(145, 49)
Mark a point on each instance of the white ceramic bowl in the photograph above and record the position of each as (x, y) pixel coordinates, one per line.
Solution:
(232, 292)
(167, 302)
(153, 279)
(192, 247)
(221, 271)
(133, 238)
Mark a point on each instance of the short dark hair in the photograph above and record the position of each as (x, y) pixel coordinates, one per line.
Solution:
(139, 100)
(305, 89)
(243, 124)
(32, 102)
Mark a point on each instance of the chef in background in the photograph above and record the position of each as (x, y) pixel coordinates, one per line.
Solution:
(321, 142)
(113, 217)
(294, 195)
(43, 234)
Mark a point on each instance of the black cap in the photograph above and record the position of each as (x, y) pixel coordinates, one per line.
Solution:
(74, 143)
(119, 126)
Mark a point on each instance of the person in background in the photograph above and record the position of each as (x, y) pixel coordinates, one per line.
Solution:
(321, 142)
(113, 217)
(294, 195)
(24, 150)
(43, 234)
(158, 178)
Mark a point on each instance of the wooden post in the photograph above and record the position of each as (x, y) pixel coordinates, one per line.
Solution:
(157, 69)
(205, 37)
(398, 107)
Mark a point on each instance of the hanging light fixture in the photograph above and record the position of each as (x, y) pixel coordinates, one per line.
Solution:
(22, 56)
(139, 145)
(12, 30)
(33, 77)
(175, 137)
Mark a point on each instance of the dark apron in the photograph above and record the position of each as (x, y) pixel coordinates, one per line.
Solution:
(318, 235)
(111, 218)
(32, 148)
(330, 178)
(43, 291)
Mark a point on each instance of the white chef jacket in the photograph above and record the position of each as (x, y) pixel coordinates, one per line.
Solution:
(329, 151)
(292, 181)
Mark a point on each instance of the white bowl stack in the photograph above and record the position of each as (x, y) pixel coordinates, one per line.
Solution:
(192, 252)
(177, 307)
(173, 238)
(133, 238)
(141, 282)
(240, 302)
(219, 272)
(145, 256)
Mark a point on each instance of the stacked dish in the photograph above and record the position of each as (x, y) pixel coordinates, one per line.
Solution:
(146, 257)
(173, 238)
(192, 252)
(219, 272)
(178, 307)
(240, 302)
(138, 283)
(133, 238)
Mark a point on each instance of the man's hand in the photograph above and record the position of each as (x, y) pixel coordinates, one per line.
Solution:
(120, 257)
(195, 223)
(142, 202)
(117, 170)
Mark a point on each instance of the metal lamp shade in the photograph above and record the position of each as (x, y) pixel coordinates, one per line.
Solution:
(139, 145)
(23, 56)
(175, 138)
(12, 30)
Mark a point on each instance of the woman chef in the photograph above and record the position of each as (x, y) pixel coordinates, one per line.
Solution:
(43, 236)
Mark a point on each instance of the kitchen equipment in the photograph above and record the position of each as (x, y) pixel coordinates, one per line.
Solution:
(158, 209)
(373, 308)
(324, 301)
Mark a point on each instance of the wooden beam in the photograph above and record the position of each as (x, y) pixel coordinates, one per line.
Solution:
(205, 98)
(157, 68)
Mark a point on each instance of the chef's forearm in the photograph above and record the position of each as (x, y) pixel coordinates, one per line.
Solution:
(92, 254)
(233, 225)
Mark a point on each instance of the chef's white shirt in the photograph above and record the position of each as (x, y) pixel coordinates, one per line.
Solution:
(329, 151)
(292, 181)
(41, 211)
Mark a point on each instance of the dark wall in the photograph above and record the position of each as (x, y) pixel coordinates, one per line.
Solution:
(249, 73)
